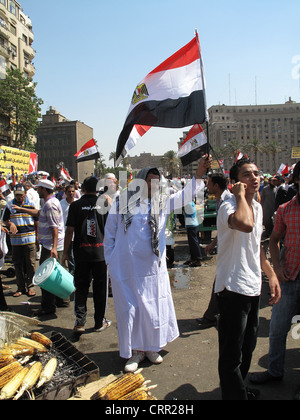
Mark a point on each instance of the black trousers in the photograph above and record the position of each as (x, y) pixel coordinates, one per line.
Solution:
(3, 305)
(49, 301)
(213, 308)
(85, 272)
(238, 328)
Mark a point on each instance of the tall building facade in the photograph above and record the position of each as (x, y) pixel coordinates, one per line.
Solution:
(275, 127)
(269, 124)
(16, 52)
(16, 39)
(58, 140)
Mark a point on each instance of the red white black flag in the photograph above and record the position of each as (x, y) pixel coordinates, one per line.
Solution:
(194, 145)
(88, 152)
(4, 188)
(65, 175)
(171, 96)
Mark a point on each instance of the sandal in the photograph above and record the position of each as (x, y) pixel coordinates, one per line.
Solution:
(17, 294)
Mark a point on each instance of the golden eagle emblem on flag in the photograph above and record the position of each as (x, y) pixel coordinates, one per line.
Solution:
(140, 94)
(194, 143)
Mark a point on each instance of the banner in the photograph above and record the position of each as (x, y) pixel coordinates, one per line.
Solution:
(296, 152)
(21, 160)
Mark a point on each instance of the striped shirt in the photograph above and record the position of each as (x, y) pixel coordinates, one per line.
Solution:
(51, 216)
(24, 223)
(288, 220)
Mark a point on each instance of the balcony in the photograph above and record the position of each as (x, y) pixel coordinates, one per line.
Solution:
(4, 51)
(4, 32)
(29, 51)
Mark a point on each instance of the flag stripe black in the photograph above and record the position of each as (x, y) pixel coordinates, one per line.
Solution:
(169, 113)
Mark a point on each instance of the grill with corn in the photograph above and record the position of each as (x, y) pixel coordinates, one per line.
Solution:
(131, 386)
(16, 379)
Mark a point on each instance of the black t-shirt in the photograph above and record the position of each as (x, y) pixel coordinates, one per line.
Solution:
(88, 222)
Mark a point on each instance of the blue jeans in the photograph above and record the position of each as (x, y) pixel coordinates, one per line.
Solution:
(281, 321)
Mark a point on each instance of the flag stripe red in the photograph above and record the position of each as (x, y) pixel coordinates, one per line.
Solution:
(195, 130)
(88, 145)
(142, 129)
(185, 56)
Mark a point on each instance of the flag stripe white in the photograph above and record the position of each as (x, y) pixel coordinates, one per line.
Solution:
(172, 84)
(91, 151)
(137, 132)
(197, 140)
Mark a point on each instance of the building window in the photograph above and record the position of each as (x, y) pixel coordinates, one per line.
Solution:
(2, 67)
(12, 8)
(13, 29)
(3, 2)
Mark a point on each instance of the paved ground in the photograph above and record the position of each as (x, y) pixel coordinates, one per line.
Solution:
(189, 370)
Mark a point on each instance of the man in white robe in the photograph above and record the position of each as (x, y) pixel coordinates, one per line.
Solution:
(135, 252)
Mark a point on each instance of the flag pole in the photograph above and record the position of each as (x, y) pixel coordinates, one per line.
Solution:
(204, 91)
(217, 159)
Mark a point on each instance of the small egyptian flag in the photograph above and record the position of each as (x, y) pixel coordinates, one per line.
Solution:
(88, 152)
(239, 156)
(4, 188)
(194, 146)
(65, 175)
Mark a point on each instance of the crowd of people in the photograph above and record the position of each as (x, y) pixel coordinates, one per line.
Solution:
(122, 236)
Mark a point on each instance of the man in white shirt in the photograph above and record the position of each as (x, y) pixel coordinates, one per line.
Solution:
(238, 280)
(32, 195)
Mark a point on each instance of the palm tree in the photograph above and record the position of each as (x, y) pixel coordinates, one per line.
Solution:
(256, 147)
(273, 148)
(170, 163)
(112, 156)
(232, 149)
(100, 166)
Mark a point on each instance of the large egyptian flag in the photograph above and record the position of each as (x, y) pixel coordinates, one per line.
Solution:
(194, 145)
(88, 152)
(171, 96)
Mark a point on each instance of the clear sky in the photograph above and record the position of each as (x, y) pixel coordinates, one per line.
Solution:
(91, 55)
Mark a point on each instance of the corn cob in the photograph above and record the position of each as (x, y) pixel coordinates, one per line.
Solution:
(120, 387)
(140, 394)
(47, 372)
(8, 372)
(9, 390)
(42, 339)
(19, 350)
(26, 342)
(30, 379)
(6, 360)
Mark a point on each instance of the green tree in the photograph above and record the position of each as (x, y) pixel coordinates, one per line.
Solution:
(100, 166)
(112, 156)
(255, 146)
(232, 149)
(20, 104)
(170, 163)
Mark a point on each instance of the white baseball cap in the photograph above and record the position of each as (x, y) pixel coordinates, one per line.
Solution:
(45, 183)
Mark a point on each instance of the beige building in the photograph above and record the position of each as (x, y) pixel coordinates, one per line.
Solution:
(270, 124)
(16, 52)
(143, 161)
(58, 140)
(16, 39)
